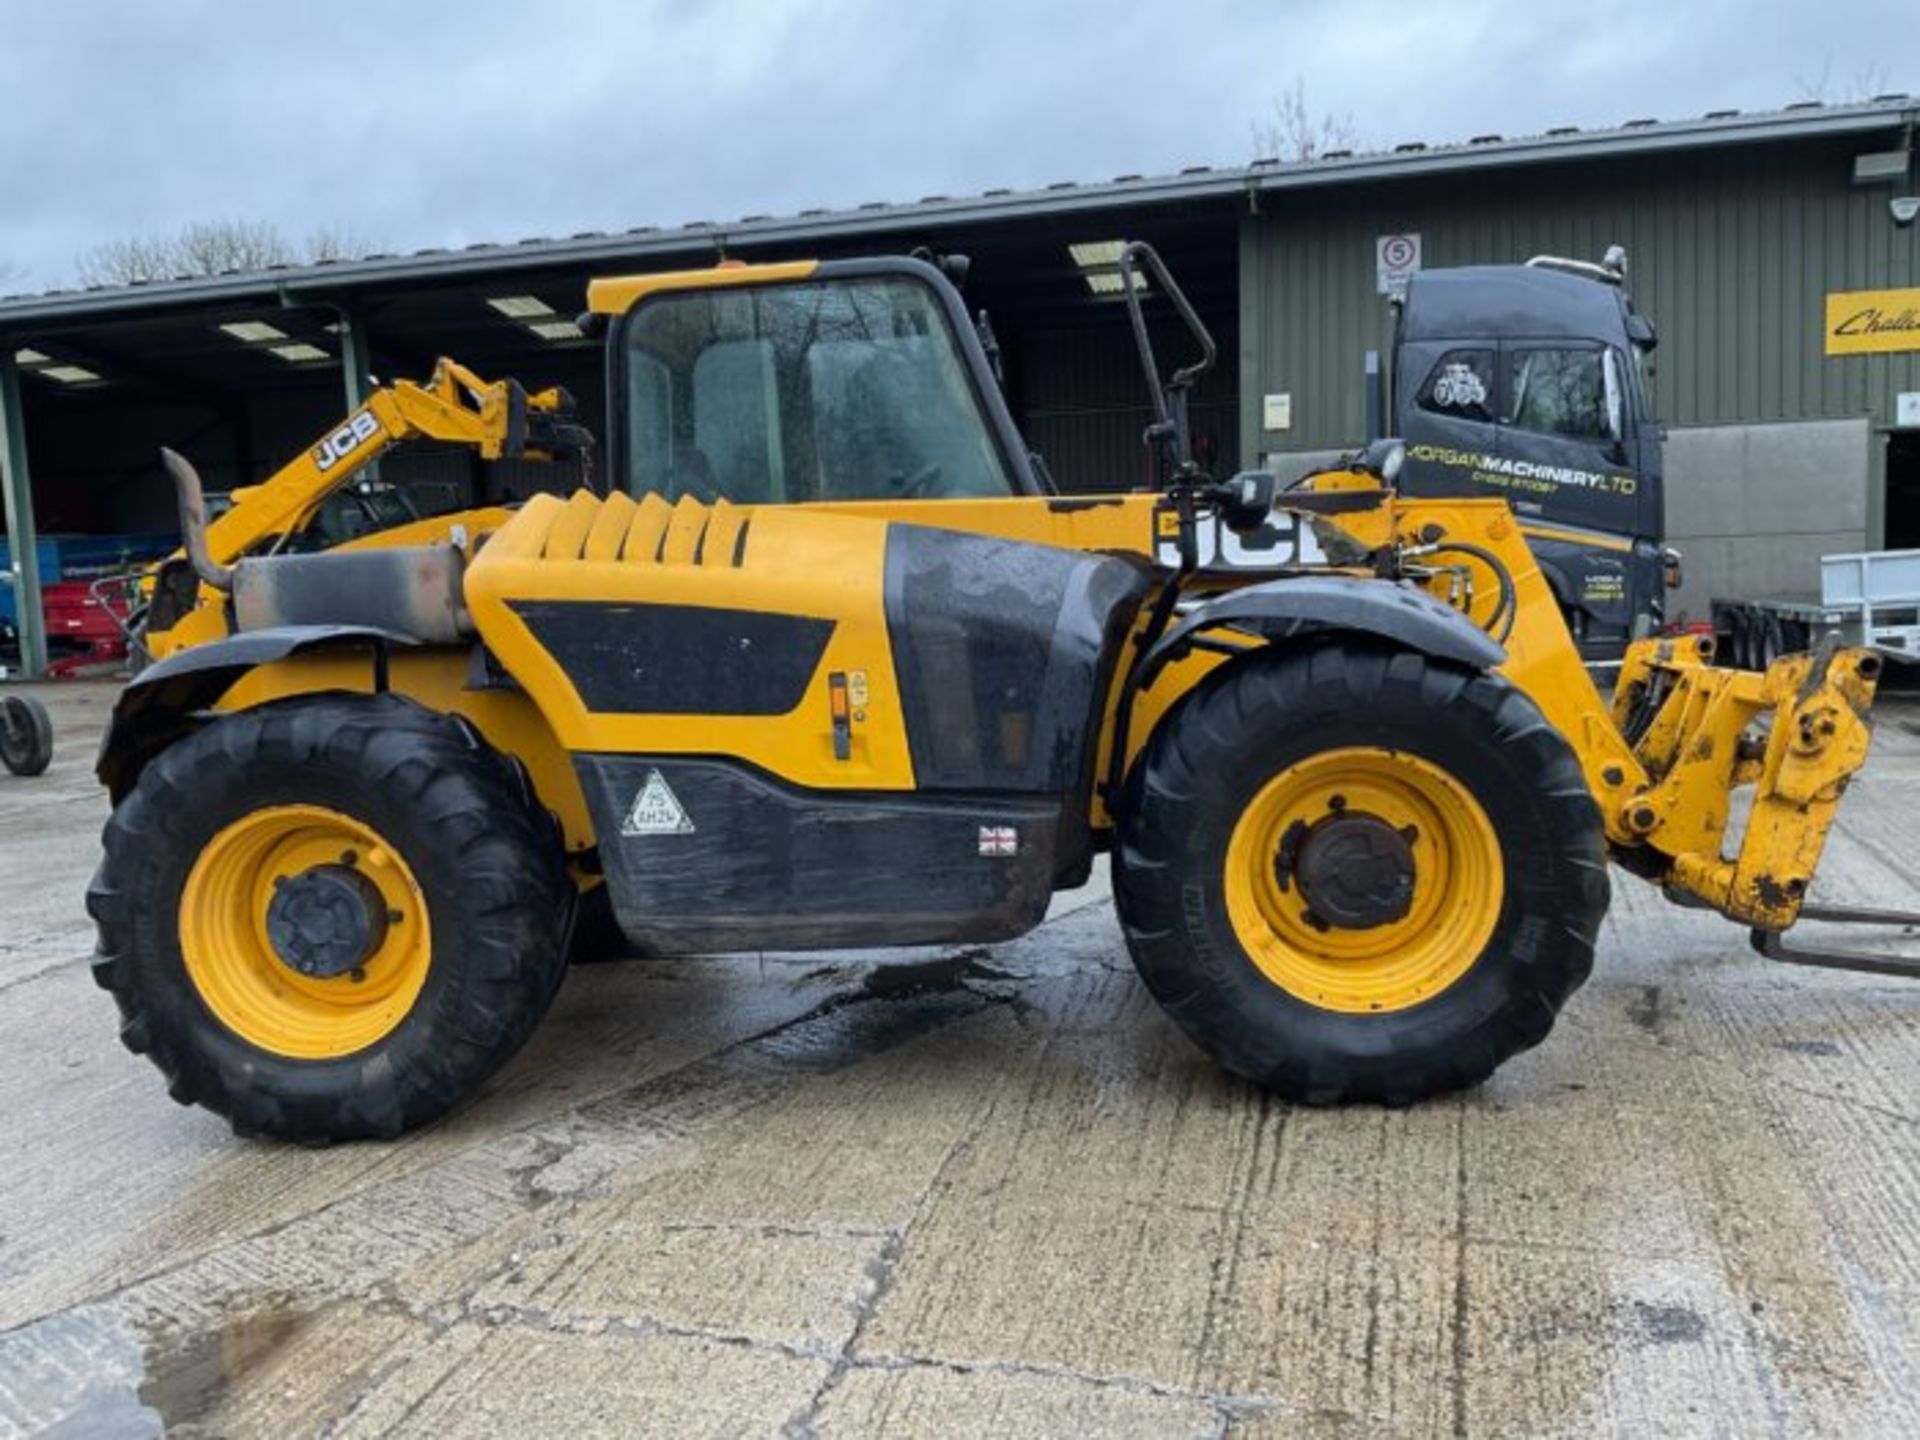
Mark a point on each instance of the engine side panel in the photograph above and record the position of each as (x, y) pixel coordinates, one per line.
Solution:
(649, 628)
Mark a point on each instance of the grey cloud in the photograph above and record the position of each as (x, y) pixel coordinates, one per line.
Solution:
(442, 125)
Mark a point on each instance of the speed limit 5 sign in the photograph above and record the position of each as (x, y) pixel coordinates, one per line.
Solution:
(1395, 257)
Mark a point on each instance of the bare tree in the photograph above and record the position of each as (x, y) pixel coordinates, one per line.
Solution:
(336, 242)
(1292, 132)
(1868, 81)
(210, 247)
(126, 262)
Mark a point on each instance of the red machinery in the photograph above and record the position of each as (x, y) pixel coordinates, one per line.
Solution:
(81, 630)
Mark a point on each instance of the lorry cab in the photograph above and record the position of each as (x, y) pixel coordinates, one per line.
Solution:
(1530, 382)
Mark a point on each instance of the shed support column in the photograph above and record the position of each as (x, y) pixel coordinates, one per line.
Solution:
(356, 367)
(356, 359)
(22, 537)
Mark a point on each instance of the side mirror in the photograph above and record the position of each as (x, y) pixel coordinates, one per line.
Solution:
(1616, 393)
(1246, 501)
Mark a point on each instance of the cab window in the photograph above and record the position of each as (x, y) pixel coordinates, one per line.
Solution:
(850, 390)
(1556, 392)
(1460, 385)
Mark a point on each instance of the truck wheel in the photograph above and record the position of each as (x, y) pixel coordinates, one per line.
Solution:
(330, 918)
(26, 735)
(1358, 874)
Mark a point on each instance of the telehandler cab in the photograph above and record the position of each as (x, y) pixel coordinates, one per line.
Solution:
(825, 667)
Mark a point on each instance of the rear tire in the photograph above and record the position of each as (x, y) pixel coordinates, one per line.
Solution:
(370, 788)
(26, 735)
(1502, 885)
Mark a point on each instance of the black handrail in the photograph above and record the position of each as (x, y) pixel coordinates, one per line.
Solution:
(1169, 396)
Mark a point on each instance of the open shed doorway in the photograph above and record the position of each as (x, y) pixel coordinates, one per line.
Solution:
(1903, 490)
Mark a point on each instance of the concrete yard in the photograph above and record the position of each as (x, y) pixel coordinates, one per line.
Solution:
(982, 1193)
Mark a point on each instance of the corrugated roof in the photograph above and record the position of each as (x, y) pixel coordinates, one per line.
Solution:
(878, 218)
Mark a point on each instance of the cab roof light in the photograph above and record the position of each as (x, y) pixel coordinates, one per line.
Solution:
(557, 330)
(520, 307)
(254, 332)
(300, 353)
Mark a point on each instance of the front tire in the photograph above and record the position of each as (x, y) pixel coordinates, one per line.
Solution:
(330, 918)
(1358, 874)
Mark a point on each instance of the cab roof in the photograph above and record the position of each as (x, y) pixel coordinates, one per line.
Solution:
(617, 294)
(1511, 300)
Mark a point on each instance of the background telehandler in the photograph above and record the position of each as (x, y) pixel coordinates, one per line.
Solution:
(825, 667)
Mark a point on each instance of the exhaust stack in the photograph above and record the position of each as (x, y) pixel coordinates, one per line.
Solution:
(193, 520)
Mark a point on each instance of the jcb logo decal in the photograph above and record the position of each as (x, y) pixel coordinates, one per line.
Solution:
(1281, 542)
(344, 441)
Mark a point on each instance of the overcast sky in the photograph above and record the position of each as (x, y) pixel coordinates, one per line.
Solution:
(414, 124)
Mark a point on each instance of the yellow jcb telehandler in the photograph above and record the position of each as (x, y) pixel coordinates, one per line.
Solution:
(823, 665)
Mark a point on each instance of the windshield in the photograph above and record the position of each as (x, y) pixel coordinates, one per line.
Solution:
(849, 390)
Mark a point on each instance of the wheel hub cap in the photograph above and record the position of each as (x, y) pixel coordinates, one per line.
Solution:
(1356, 872)
(327, 921)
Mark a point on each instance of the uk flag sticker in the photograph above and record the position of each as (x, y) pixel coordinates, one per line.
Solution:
(999, 840)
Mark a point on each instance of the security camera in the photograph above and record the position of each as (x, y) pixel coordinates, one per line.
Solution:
(1904, 208)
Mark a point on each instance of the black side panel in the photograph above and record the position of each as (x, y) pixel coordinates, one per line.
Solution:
(707, 855)
(1003, 653)
(679, 659)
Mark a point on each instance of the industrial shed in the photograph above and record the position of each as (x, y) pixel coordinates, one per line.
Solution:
(1786, 441)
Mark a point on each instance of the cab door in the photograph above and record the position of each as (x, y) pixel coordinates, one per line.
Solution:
(1569, 432)
(1568, 438)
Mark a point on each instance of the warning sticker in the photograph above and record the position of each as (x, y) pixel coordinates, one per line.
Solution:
(656, 810)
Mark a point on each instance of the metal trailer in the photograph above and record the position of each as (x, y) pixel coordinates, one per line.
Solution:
(1869, 598)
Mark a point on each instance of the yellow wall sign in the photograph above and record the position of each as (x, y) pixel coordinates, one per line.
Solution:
(1866, 322)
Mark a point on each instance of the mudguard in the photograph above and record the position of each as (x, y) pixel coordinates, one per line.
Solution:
(1282, 609)
(158, 704)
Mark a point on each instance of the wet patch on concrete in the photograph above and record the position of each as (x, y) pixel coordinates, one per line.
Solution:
(187, 1380)
(1648, 1011)
(1664, 1324)
(900, 979)
(76, 1375)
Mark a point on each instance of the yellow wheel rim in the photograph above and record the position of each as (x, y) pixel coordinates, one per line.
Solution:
(244, 981)
(1407, 950)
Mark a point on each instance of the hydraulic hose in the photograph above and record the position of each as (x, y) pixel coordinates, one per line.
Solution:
(1507, 611)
